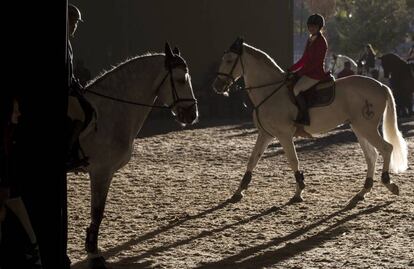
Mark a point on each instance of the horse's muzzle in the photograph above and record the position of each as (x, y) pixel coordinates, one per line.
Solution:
(187, 115)
(221, 86)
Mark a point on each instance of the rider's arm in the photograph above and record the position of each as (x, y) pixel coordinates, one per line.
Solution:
(298, 65)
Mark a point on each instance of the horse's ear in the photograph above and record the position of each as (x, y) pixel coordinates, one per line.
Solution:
(237, 46)
(168, 52)
(176, 51)
(240, 39)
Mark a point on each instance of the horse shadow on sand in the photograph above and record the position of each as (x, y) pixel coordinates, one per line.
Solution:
(258, 257)
(173, 223)
(133, 262)
(264, 259)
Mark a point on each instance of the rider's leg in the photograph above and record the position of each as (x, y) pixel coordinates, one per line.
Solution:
(76, 158)
(76, 129)
(18, 207)
(303, 84)
(76, 125)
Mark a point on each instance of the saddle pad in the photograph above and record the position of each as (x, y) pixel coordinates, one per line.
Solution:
(320, 95)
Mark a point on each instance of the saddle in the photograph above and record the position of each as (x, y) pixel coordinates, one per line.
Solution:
(319, 95)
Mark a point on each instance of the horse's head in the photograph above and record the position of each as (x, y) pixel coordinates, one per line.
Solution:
(392, 63)
(231, 68)
(176, 90)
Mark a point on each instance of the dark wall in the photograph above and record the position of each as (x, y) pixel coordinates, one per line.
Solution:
(116, 29)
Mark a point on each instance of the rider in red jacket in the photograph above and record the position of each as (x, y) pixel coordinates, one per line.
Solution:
(310, 67)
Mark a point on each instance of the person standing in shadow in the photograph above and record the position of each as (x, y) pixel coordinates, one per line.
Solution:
(347, 71)
(18, 242)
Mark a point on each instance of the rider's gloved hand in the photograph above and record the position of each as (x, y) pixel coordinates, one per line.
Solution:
(290, 75)
(77, 87)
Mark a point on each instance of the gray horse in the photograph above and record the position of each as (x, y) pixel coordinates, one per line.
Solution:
(123, 98)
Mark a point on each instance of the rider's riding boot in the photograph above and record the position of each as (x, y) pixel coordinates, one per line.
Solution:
(303, 115)
(74, 159)
(76, 128)
(32, 256)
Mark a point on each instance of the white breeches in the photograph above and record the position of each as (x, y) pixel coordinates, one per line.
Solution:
(303, 84)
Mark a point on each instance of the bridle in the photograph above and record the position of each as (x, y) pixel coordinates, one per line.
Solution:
(230, 75)
(280, 84)
(176, 97)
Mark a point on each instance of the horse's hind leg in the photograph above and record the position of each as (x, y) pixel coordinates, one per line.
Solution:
(371, 156)
(370, 133)
(262, 142)
(290, 152)
(100, 182)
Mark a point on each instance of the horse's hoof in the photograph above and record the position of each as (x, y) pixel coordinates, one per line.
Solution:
(394, 189)
(236, 197)
(296, 199)
(97, 263)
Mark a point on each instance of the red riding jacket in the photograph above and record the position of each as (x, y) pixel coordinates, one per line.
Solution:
(312, 62)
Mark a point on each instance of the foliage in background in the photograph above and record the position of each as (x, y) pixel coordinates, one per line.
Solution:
(383, 23)
(351, 24)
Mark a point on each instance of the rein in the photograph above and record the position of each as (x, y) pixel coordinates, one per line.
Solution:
(281, 83)
(176, 98)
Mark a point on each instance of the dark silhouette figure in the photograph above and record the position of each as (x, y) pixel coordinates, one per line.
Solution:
(347, 71)
(18, 242)
(368, 59)
(82, 73)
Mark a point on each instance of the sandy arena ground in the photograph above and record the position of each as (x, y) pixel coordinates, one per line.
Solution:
(168, 207)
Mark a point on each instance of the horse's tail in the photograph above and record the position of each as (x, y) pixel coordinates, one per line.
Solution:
(392, 135)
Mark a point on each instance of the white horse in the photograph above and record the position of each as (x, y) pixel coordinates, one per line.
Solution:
(359, 100)
(123, 98)
(337, 64)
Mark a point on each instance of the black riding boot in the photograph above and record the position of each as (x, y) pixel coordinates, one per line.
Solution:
(74, 160)
(303, 115)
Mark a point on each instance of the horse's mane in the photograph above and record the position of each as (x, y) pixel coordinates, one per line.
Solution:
(122, 64)
(266, 58)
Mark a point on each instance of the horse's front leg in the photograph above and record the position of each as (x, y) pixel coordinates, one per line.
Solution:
(263, 140)
(100, 182)
(290, 152)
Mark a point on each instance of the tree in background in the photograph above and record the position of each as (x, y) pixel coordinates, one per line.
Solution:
(304, 8)
(383, 23)
(351, 24)
(326, 8)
